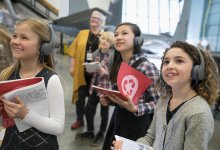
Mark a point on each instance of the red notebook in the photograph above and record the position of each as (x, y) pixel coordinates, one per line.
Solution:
(10, 85)
(110, 92)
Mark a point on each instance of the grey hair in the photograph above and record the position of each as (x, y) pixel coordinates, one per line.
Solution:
(102, 16)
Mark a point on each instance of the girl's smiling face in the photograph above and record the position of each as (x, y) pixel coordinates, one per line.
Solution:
(124, 38)
(25, 43)
(177, 67)
(105, 43)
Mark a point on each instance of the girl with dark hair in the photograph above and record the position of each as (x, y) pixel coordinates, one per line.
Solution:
(129, 120)
(189, 85)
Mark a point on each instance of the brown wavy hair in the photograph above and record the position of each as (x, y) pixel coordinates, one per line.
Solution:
(208, 87)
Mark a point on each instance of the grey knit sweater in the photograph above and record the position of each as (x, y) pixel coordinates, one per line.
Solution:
(190, 128)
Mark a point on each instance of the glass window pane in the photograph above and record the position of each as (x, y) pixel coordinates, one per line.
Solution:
(153, 16)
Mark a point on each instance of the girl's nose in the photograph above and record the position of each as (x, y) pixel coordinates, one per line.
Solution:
(119, 37)
(170, 65)
(15, 41)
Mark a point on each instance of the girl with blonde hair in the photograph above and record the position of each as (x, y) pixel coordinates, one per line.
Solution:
(104, 55)
(32, 45)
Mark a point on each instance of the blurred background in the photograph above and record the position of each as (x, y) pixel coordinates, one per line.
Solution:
(161, 22)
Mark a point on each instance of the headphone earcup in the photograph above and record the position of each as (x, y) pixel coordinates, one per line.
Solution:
(195, 71)
(47, 48)
(138, 42)
(198, 71)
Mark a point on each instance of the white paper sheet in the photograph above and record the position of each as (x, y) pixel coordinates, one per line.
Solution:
(92, 67)
(132, 145)
(35, 98)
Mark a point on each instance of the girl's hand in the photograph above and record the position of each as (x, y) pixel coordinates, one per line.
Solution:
(127, 104)
(72, 72)
(72, 65)
(15, 109)
(102, 71)
(117, 144)
(104, 100)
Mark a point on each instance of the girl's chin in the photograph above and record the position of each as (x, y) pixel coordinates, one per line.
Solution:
(119, 50)
(170, 82)
(16, 56)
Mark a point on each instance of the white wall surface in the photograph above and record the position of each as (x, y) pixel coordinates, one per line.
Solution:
(104, 4)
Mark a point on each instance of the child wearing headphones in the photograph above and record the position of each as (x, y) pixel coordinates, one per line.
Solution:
(188, 85)
(103, 55)
(31, 45)
(129, 120)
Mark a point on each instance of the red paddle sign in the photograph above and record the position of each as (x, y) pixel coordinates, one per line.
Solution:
(132, 82)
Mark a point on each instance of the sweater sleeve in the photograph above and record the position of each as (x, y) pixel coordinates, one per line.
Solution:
(199, 132)
(54, 124)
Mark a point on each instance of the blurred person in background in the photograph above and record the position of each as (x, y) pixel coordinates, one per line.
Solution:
(80, 51)
(104, 55)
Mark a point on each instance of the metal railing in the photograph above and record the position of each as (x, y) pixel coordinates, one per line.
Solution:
(42, 7)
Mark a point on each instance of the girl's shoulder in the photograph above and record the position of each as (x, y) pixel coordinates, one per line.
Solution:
(46, 73)
(139, 59)
(197, 105)
(144, 65)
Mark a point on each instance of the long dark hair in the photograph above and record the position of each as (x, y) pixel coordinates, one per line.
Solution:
(117, 56)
